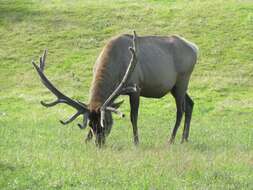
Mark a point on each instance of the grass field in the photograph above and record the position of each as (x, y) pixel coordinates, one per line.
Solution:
(37, 152)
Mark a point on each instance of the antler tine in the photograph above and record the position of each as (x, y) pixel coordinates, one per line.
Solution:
(129, 89)
(72, 118)
(125, 79)
(114, 110)
(43, 60)
(85, 120)
(50, 104)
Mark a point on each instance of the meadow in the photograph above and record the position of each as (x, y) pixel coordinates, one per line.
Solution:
(37, 152)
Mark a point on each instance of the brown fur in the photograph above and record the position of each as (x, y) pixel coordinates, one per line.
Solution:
(102, 78)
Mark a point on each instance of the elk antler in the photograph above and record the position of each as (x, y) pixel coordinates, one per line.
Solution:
(61, 98)
(122, 89)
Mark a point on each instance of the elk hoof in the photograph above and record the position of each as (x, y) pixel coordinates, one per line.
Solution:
(171, 141)
(184, 140)
(136, 141)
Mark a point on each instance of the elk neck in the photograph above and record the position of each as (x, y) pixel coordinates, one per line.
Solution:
(106, 75)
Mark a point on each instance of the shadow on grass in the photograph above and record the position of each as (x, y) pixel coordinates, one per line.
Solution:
(201, 147)
(6, 166)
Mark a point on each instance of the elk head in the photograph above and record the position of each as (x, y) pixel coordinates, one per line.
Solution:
(100, 122)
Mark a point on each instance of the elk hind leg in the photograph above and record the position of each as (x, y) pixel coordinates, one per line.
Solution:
(178, 92)
(189, 104)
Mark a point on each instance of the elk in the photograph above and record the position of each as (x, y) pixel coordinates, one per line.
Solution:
(137, 66)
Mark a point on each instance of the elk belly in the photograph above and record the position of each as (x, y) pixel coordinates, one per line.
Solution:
(157, 90)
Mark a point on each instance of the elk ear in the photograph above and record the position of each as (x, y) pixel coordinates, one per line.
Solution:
(116, 105)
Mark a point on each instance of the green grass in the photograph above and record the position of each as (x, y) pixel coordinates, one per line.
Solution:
(36, 152)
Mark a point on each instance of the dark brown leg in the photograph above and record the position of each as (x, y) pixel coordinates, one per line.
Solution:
(134, 105)
(188, 114)
(179, 95)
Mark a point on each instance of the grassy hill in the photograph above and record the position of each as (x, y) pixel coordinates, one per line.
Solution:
(36, 152)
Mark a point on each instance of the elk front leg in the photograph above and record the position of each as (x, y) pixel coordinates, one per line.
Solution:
(134, 105)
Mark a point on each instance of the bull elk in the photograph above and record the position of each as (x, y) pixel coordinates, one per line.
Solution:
(152, 67)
